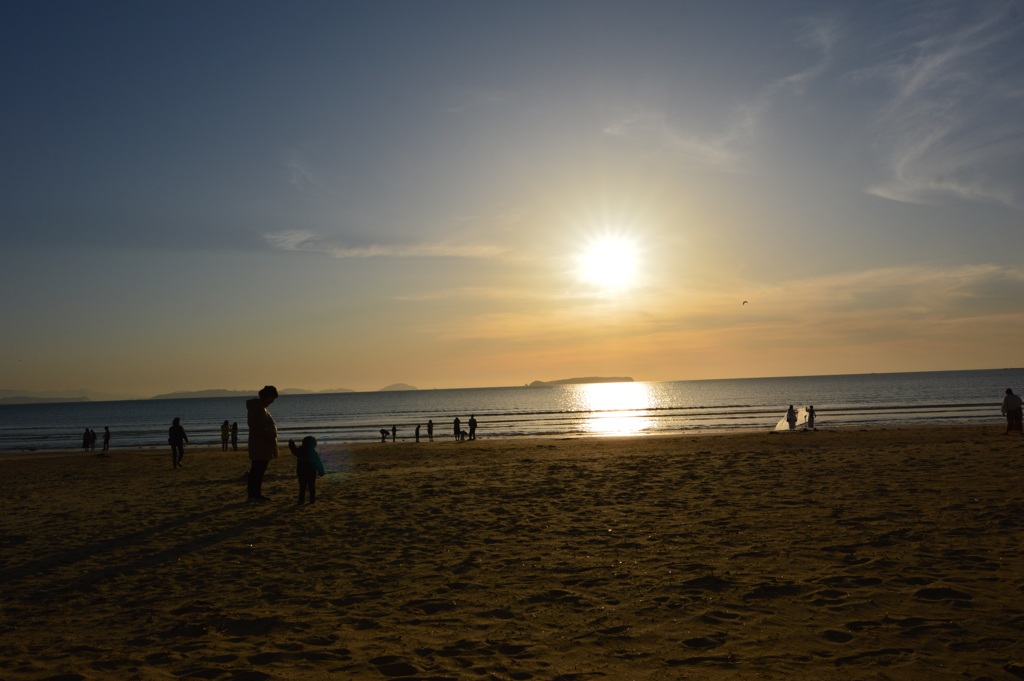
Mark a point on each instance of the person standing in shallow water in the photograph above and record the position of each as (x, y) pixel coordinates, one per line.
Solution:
(262, 440)
(1012, 408)
(177, 438)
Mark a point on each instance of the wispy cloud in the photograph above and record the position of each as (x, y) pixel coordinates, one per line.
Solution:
(301, 176)
(728, 147)
(954, 121)
(873, 306)
(302, 240)
(721, 149)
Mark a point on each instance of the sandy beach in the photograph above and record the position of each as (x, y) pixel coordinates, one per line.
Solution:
(877, 554)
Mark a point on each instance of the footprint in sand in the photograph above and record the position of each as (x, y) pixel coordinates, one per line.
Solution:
(837, 636)
(942, 594)
(391, 665)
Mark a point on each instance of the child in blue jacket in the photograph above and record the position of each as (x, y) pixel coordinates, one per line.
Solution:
(307, 467)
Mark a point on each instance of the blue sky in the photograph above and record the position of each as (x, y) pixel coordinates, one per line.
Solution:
(320, 195)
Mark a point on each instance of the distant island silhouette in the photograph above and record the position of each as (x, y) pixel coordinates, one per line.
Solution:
(588, 379)
(398, 386)
(190, 394)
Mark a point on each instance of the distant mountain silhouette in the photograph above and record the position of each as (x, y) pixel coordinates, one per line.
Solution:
(41, 400)
(8, 396)
(588, 379)
(398, 386)
(189, 394)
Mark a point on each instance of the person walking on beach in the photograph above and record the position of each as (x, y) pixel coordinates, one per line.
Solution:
(106, 438)
(472, 427)
(458, 428)
(430, 430)
(810, 417)
(225, 433)
(1012, 409)
(262, 440)
(234, 436)
(307, 466)
(177, 438)
(791, 417)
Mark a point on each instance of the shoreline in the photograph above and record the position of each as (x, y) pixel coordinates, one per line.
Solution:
(689, 432)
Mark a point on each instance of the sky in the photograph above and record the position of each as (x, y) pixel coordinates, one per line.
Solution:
(324, 195)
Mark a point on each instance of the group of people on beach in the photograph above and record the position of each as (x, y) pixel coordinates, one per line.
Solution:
(791, 417)
(460, 434)
(228, 432)
(89, 439)
(263, 450)
(308, 466)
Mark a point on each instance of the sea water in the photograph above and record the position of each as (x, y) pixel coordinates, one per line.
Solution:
(639, 408)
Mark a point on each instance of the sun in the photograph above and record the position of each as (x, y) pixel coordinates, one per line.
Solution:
(610, 263)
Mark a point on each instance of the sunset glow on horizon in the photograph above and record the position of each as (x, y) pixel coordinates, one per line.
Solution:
(350, 195)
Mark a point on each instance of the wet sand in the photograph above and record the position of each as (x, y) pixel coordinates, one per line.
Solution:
(880, 554)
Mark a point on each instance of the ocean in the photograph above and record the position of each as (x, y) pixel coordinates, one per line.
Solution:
(640, 408)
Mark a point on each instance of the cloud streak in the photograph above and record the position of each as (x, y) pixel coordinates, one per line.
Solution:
(306, 241)
(953, 124)
(728, 148)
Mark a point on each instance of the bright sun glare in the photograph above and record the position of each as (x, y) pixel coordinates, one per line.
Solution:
(610, 263)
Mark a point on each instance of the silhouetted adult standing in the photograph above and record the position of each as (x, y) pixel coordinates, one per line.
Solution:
(810, 417)
(86, 439)
(262, 440)
(176, 438)
(472, 427)
(92, 440)
(234, 436)
(458, 428)
(1012, 407)
(106, 438)
(225, 433)
(791, 417)
(394, 432)
(430, 429)
(417, 432)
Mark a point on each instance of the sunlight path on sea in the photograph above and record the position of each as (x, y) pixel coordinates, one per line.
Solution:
(616, 408)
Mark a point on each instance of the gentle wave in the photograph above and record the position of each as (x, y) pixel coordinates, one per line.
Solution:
(569, 410)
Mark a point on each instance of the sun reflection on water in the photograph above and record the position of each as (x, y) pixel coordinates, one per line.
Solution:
(616, 408)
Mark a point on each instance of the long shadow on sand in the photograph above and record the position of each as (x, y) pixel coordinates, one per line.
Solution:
(65, 558)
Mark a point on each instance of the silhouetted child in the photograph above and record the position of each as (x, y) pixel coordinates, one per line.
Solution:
(307, 466)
